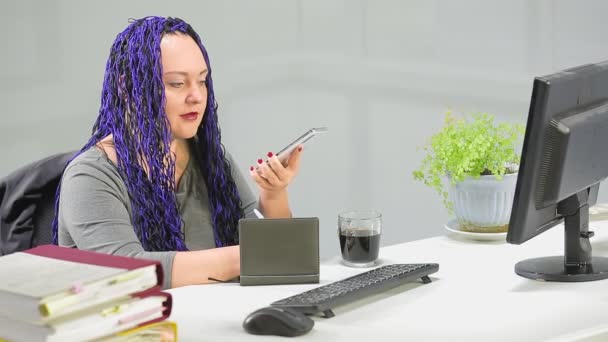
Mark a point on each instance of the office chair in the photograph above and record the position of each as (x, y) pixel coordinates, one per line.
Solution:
(27, 203)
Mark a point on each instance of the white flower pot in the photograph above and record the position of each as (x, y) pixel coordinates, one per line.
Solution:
(485, 202)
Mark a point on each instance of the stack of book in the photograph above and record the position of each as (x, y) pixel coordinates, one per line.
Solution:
(51, 293)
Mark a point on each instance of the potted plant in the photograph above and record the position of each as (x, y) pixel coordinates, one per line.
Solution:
(477, 159)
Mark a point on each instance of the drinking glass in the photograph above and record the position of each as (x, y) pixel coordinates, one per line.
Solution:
(359, 233)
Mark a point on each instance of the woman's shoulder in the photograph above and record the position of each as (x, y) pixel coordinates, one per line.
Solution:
(94, 163)
(93, 156)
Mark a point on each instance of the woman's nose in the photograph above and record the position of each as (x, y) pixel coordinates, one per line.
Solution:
(196, 95)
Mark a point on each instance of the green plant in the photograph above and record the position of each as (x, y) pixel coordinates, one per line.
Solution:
(469, 147)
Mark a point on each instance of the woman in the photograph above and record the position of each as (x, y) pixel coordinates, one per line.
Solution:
(154, 180)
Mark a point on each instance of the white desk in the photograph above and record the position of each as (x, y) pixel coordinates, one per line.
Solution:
(475, 296)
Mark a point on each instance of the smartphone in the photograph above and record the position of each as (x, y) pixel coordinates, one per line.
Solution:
(283, 154)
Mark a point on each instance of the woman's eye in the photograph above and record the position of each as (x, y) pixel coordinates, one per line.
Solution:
(203, 82)
(176, 84)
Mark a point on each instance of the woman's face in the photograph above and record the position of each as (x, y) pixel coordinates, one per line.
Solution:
(184, 74)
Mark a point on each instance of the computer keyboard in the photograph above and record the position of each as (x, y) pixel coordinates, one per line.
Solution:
(324, 298)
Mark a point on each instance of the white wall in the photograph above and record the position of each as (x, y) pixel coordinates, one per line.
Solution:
(379, 74)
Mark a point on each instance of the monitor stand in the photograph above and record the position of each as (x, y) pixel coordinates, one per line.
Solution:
(577, 264)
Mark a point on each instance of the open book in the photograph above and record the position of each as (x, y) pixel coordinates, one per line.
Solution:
(95, 322)
(48, 282)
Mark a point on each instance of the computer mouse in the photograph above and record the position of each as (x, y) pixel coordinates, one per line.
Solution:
(279, 321)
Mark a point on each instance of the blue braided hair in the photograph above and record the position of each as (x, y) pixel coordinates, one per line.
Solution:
(133, 111)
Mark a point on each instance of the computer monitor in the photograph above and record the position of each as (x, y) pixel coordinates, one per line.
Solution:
(564, 158)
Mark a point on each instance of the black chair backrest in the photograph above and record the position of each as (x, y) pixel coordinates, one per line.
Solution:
(27, 206)
(44, 215)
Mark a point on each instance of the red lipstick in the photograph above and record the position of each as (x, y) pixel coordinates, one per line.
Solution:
(190, 116)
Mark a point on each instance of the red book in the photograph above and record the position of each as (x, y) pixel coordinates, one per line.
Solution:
(48, 282)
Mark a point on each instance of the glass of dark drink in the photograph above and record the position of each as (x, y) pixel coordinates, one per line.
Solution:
(359, 233)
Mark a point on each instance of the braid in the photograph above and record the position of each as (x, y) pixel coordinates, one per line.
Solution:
(132, 110)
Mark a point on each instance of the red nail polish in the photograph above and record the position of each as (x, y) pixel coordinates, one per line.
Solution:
(269, 154)
(300, 149)
(260, 161)
(251, 168)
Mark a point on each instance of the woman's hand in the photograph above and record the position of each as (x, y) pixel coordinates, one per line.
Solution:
(272, 178)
